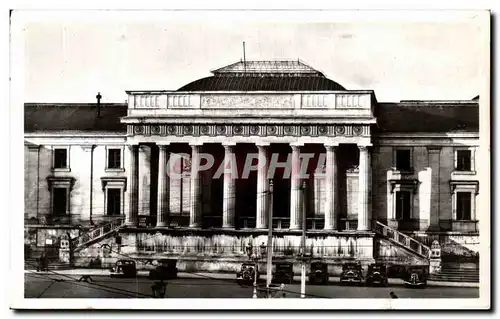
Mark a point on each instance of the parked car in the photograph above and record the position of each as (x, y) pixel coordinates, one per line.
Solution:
(416, 276)
(246, 275)
(124, 268)
(166, 269)
(351, 272)
(283, 273)
(377, 275)
(319, 273)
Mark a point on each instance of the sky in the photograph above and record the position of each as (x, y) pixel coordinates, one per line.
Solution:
(70, 60)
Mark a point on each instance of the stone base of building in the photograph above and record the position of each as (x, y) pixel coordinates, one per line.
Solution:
(224, 250)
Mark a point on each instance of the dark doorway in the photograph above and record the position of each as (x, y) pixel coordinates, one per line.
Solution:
(114, 202)
(59, 203)
(281, 179)
(246, 188)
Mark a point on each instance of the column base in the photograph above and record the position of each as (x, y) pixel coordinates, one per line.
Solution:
(295, 227)
(227, 226)
(161, 225)
(194, 226)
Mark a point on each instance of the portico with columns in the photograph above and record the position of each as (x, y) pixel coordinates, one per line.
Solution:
(315, 112)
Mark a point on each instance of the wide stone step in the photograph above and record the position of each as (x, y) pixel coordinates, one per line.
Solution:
(440, 277)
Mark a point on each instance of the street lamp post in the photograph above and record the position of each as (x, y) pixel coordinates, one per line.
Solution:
(253, 256)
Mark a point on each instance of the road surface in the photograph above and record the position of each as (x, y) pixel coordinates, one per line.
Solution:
(50, 285)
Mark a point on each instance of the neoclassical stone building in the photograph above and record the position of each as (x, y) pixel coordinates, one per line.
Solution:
(398, 175)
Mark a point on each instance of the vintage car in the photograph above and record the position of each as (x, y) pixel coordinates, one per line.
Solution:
(166, 269)
(351, 272)
(416, 276)
(283, 273)
(319, 273)
(246, 275)
(124, 268)
(377, 275)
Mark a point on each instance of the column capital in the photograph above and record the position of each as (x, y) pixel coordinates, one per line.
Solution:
(163, 143)
(144, 147)
(32, 147)
(132, 147)
(364, 147)
(228, 145)
(196, 143)
(331, 146)
(262, 144)
(433, 149)
(296, 145)
(87, 148)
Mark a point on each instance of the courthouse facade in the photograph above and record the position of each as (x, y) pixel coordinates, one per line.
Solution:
(406, 168)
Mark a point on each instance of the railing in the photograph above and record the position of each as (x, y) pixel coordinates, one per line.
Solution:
(179, 220)
(315, 223)
(212, 221)
(184, 100)
(407, 224)
(402, 239)
(96, 233)
(246, 222)
(53, 220)
(281, 222)
(463, 226)
(349, 224)
(146, 221)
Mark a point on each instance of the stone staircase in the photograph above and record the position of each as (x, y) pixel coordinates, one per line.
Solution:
(96, 234)
(401, 240)
(453, 272)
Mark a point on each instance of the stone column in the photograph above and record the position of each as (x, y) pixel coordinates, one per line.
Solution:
(229, 195)
(331, 198)
(434, 159)
(295, 190)
(195, 204)
(144, 179)
(163, 188)
(133, 186)
(262, 188)
(363, 190)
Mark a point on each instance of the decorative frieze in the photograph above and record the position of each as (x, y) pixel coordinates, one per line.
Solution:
(247, 101)
(248, 130)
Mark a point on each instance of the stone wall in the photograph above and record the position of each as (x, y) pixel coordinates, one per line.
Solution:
(206, 251)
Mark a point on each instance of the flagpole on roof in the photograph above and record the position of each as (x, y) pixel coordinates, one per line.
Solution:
(244, 60)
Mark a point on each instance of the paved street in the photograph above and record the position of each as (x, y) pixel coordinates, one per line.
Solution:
(45, 285)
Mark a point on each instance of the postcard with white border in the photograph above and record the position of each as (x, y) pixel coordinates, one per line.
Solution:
(277, 158)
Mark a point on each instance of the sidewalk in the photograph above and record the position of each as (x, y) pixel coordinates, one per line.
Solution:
(231, 276)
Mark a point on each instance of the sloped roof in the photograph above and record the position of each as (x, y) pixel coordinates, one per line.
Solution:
(74, 117)
(263, 83)
(264, 76)
(428, 117)
(403, 117)
(274, 67)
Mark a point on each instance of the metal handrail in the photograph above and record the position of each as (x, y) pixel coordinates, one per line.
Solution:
(402, 239)
(97, 232)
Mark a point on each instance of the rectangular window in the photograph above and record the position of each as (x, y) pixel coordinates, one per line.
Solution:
(59, 201)
(60, 158)
(403, 205)
(463, 160)
(114, 201)
(403, 160)
(114, 158)
(463, 205)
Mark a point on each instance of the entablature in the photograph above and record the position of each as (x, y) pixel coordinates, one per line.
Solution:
(251, 102)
